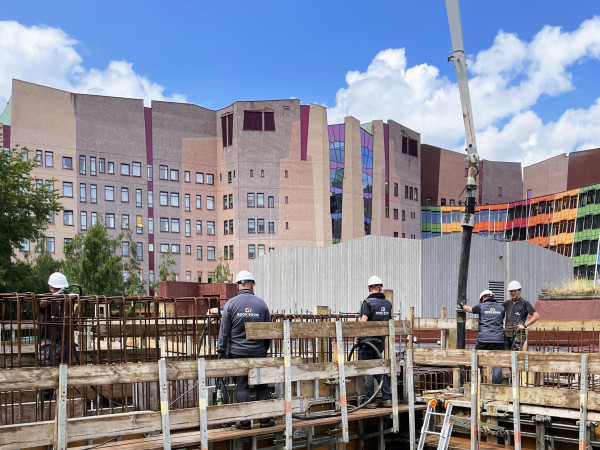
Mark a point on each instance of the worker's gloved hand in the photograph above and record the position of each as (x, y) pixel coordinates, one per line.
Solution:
(460, 307)
(222, 355)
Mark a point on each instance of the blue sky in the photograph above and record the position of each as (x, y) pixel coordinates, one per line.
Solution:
(533, 65)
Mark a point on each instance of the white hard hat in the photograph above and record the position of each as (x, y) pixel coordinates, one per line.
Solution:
(486, 293)
(243, 276)
(58, 281)
(514, 285)
(374, 281)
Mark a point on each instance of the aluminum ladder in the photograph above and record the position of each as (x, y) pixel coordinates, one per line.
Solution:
(446, 430)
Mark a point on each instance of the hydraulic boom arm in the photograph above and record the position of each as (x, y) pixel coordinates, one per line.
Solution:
(468, 221)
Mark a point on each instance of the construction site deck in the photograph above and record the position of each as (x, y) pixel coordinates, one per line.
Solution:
(142, 372)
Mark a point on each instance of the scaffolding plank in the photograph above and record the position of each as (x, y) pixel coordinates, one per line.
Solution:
(305, 330)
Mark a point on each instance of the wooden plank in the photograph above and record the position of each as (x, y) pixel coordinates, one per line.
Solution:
(102, 374)
(138, 422)
(457, 443)
(314, 371)
(188, 439)
(341, 356)
(202, 403)
(583, 401)
(535, 361)
(448, 323)
(305, 330)
(393, 375)
(60, 422)
(516, 398)
(287, 352)
(474, 402)
(410, 382)
(540, 396)
(566, 325)
(164, 403)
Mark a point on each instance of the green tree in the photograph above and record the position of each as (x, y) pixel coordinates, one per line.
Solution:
(24, 207)
(93, 262)
(222, 271)
(133, 284)
(164, 270)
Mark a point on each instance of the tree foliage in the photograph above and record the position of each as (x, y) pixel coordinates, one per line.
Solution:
(93, 261)
(24, 207)
(165, 271)
(222, 271)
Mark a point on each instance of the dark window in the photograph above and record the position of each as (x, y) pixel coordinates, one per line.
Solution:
(269, 121)
(227, 129)
(413, 149)
(253, 120)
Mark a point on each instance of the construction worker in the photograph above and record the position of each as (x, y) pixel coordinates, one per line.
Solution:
(54, 342)
(244, 307)
(520, 315)
(490, 332)
(375, 308)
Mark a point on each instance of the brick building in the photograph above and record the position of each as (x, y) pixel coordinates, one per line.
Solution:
(240, 181)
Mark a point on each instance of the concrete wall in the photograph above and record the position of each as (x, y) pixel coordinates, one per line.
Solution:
(546, 177)
(423, 274)
(535, 267)
(583, 168)
(499, 174)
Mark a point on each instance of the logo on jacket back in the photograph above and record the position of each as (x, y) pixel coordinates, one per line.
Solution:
(383, 312)
(247, 313)
(492, 310)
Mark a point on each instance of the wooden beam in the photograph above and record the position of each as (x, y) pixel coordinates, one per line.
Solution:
(528, 361)
(138, 422)
(540, 396)
(102, 374)
(306, 330)
(319, 371)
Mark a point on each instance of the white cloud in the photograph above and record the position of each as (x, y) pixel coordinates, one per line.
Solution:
(506, 82)
(48, 56)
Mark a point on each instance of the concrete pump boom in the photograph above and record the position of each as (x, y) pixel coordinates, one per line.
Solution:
(468, 221)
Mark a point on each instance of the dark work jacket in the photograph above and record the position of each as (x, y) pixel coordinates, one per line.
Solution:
(491, 320)
(377, 308)
(517, 312)
(244, 307)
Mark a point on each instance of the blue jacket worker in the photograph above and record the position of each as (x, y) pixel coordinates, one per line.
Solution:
(491, 327)
(375, 308)
(244, 307)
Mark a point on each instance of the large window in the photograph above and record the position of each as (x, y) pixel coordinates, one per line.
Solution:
(227, 129)
(83, 220)
(260, 200)
(210, 253)
(138, 197)
(50, 160)
(188, 228)
(50, 244)
(210, 202)
(259, 120)
(139, 251)
(251, 226)
(250, 200)
(67, 189)
(198, 252)
(210, 178)
(93, 193)
(124, 221)
(68, 218)
(200, 177)
(198, 227)
(174, 175)
(109, 193)
(163, 172)
(92, 165)
(67, 162)
(110, 220)
(251, 251)
(164, 224)
(125, 195)
(82, 192)
(136, 169)
(186, 202)
(260, 225)
(125, 169)
(163, 198)
(210, 227)
(174, 225)
(174, 198)
(198, 202)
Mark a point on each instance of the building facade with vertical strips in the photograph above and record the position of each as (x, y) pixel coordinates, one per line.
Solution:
(197, 183)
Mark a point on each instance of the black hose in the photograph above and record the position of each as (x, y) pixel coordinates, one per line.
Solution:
(356, 408)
